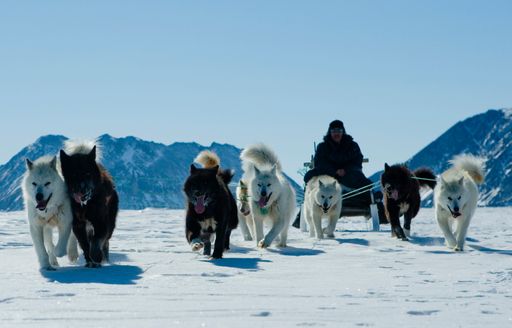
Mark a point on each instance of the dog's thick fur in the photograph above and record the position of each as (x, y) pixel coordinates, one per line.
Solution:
(244, 211)
(456, 198)
(94, 200)
(211, 208)
(47, 206)
(323, 198)
(402, 195)
(270, 194)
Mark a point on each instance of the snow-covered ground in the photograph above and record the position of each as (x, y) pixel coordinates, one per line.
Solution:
(359, 279)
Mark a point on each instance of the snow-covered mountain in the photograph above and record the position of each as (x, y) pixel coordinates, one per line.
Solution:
(488, 135)
(147, 174)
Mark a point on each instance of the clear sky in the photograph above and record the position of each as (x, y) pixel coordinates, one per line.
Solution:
(398, 73)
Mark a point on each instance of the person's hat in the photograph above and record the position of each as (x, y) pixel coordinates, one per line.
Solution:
(337, 126)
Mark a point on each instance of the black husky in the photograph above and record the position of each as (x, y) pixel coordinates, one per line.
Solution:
(402, 196)
(211, 207)
(94, 202)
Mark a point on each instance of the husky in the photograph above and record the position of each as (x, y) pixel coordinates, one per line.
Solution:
(93, 197)
(323, 198)
(270, 194)
(401, 189)
(456, 198)
(47, 206)
(211, 208)
(244, 211)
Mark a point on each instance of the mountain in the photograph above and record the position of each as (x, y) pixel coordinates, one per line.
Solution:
(147, 174)
(488, 135)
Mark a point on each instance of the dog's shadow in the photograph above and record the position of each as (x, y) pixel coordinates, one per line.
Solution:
(295, 251)
(355, 241)
(427, 241)
(249, 264)
(490, 250)
(112, 274)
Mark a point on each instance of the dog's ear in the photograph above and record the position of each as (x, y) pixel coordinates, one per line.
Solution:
(274, 169)
(257, 171)
(334, 184)
(386, 166)
(442, 180)
(63, 156)
(92, 154)
(320, 184)
(53, 162)
(242, 184)
(461, 181)
(193, 169)
(29, 163)
(215, 169)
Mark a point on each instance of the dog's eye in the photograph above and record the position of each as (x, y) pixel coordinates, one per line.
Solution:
(458, 198)
(449, 198)
(47, 184)
(323, 196)
(330, 197)
(269, 185)
(259, 184)
(34, 184)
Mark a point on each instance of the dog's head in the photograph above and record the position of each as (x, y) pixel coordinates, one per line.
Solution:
(327, 194)
(452, 196)
(242, 193)
(82, 175)
(264, 186)
(395, 181)
(201, 188)
(41, 183)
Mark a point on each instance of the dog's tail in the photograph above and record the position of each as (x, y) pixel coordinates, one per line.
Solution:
(426, 177)
(208, 159)
(83, 147)
(475, 166)
(259, 155)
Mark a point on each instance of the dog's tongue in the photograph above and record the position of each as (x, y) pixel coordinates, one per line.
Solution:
(78, 197)
(262, 202)
(456, 215)
(199, 207)
(394, 194)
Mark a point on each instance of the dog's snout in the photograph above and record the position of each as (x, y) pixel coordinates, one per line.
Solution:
(39, 196)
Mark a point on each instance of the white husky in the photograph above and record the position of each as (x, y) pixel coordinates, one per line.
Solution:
(323, 198)
(47, 206)
(270, 194)
(456, 198)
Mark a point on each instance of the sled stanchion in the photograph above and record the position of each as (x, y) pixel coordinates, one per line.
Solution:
(374, 211)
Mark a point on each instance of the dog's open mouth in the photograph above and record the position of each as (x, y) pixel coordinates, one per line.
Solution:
(81, 198)
(454, 214)
(200, 205)
(41, 205)
(264, 201)
(393, 194)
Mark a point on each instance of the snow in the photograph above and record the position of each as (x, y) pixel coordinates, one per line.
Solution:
(359, 279)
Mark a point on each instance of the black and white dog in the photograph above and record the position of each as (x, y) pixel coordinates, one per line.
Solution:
(211, 208)
(94, 200)
(401, 189)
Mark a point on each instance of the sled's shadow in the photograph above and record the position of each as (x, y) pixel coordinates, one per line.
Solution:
(250, 264)
(110, 274)
(491, 250)
(355, 241)
(296, 251)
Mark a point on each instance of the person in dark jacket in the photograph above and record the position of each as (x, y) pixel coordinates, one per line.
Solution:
(340, 157)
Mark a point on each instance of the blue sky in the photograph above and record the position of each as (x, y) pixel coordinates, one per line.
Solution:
(398, 73)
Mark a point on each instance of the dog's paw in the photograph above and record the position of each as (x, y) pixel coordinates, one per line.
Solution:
(73, 256)
(330, 235)
(197, 246)
(215, 256)
(281, 245)
(263, 244)
(247, 238)
(458, 249)
(92, 265)
(407, 233)
(54, 262)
